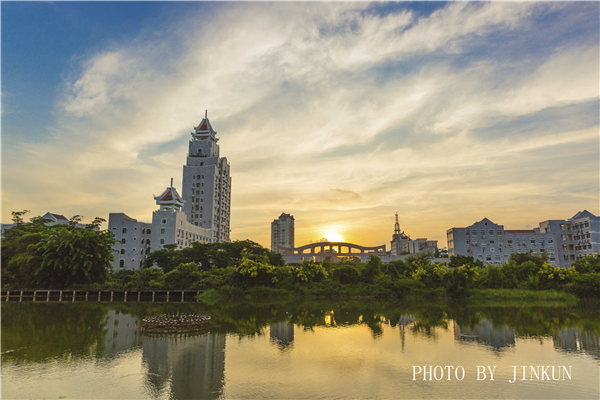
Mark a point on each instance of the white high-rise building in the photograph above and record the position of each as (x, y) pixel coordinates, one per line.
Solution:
(206, 187)
(282, 233)
(201, 214)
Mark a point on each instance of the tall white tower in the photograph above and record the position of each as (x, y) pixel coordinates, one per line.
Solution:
(206, 187)
(282, 233)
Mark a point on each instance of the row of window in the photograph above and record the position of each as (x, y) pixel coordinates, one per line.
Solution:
(490, 232)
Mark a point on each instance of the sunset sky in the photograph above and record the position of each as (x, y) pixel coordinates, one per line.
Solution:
(340, 114)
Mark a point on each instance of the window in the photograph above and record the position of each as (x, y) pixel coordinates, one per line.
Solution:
(121, 263)
(123, 240)
(562, 227)
(122, 251)
(124, 230)
(163, 221)
(532, 241)
(162, 231)
(492, 249)
(148, 231)
(162, 241)
(499, 232)
(474, 232)
(147, 241)
(488, 258)
(491, 232)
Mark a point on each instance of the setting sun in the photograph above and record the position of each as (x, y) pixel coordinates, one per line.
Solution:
(333, 236)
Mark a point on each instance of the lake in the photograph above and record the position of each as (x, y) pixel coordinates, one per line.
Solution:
(310, 349)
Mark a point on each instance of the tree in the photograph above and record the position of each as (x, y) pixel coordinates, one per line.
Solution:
(460, 260)
(372, 269)
(35, 255)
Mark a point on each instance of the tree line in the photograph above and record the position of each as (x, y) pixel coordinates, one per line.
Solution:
(35, 255)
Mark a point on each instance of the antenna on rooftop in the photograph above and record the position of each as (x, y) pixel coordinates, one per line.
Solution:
(206, 114)
(171, 182)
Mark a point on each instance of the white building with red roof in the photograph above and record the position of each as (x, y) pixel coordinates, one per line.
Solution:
(200, 214)
(206, 184)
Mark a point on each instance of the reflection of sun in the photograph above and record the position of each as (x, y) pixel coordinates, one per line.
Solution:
(333, 236)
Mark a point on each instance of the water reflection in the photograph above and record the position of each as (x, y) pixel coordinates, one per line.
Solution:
(106, 340)
(485, 333)
(574, 340)
(282, 335)
(187, 366)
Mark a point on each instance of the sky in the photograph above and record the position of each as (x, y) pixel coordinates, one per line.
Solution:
(341, 114)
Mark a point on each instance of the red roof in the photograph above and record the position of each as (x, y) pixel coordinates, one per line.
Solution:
(168, 196)
(58, 216)
(520, 231)
(204, 126)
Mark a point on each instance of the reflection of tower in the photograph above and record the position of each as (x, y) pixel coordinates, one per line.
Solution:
(282, 334)
(194, 365)
(122, 333)
(487, 334)
(405, 320)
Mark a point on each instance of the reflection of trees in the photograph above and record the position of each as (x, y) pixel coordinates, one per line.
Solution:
(42, 332)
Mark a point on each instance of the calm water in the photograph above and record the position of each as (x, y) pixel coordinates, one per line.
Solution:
(343, 349)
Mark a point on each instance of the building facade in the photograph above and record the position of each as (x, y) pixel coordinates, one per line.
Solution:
(201, 214)
(403, 244)
(564, 241)
(282, 233)
(206, 187)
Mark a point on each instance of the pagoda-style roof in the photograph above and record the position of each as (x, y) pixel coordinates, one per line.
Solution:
(204, 129)
(169, 197)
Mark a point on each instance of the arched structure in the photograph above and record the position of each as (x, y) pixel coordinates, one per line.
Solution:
(331, 251)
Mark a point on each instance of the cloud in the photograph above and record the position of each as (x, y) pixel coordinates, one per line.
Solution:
(332, 112)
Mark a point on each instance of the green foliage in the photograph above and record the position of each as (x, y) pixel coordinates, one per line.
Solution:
(587, 265)
(55, 257)
(211, 255)
(185, 276)
(256, 273)
(308, 271)
(585, 286)
(372, 269)
(459, 260)
(345, 273)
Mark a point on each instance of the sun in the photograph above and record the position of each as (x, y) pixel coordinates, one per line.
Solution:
(333, 236)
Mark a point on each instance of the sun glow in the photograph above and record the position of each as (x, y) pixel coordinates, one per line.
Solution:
(333, 236)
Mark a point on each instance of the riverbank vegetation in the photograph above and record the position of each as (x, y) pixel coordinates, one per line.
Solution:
(55, 257)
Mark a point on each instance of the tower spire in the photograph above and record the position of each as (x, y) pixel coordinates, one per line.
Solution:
(397, 226)
(206, 114)
(171, 182)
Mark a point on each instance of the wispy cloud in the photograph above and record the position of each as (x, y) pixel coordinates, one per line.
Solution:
(337, 114)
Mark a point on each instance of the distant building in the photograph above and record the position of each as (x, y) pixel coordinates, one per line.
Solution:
(563, 240)
(282, 233)
(55, 219)
(403, 244)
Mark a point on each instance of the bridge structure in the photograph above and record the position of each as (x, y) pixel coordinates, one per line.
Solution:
(331, 251)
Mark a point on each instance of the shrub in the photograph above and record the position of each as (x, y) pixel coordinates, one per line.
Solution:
(308, 271)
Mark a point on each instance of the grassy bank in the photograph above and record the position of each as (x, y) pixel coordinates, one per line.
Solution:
(519, 297)
(487, 297)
